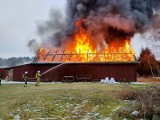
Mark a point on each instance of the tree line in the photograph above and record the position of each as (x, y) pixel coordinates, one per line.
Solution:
(14, 61)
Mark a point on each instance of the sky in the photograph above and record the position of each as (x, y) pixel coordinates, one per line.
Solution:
(18, 23)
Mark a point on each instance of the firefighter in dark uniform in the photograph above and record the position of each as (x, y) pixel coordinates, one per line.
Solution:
(25, 78)
(0, 78)
(38, 78)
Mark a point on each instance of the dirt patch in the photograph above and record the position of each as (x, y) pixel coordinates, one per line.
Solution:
(149, 80)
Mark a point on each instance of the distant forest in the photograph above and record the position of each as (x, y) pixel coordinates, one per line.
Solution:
(13, 61)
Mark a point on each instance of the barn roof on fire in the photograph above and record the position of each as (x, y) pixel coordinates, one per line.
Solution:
(58, 56)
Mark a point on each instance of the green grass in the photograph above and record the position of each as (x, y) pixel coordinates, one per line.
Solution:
(62, 101)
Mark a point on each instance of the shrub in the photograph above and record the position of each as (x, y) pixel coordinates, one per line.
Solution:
(128, 93)
(148, 102)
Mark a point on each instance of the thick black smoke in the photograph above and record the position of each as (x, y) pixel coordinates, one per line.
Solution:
(104, 17)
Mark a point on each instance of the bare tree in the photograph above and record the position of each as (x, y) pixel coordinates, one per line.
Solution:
(147, 63)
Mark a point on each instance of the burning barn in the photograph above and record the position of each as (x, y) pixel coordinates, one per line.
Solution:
(80, 62)
(89, 65)
(78, 71)
(93, 44)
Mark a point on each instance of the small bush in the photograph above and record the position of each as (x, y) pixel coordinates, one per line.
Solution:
(148, 102)
(128, 93)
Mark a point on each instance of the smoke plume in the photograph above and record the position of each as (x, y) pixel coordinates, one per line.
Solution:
(49, 33)
(111, 19)
(129, 16)
(103, 20)
(33, 46)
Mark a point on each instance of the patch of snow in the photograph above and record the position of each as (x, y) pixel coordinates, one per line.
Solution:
(17, 117)
(57, 104)
(97, 114)
(14, 82)
(115, 109)
(37, 110)
(109, 118)
(135, 113)
(22, 82)
(137, 83)
(125, 119)
(106, 80)
(26, 110)
(109, 106)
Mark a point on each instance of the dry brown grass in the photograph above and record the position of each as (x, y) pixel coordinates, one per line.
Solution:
(149, 80)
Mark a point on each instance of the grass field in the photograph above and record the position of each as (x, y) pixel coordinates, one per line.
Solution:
(76, 101)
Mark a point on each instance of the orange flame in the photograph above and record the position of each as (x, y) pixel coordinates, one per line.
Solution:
(83, 50)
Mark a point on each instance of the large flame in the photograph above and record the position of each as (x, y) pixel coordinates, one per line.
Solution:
(83, 50)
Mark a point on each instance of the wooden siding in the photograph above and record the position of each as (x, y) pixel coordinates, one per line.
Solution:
(98, 71)
(31, 68)
(3, 72)
(120, 72)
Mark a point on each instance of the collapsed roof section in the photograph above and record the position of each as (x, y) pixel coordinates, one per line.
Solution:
(64, 56)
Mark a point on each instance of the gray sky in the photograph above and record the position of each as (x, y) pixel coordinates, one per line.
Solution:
(18, 23)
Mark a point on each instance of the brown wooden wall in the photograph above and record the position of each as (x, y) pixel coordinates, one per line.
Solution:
(3, 72)
(98, 71)
(31, 68)
(121, 71)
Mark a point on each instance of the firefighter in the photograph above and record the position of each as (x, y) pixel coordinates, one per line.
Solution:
(25, 78)
(0, 78)
(38, 78)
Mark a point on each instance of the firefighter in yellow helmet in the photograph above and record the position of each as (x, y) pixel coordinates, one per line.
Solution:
(38, 78)
(25, 78)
